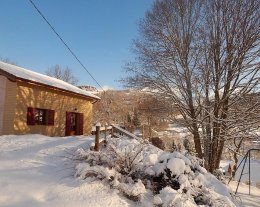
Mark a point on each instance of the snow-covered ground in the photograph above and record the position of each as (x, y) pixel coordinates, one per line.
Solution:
(243, 197)
(254, 169)
(36, 170)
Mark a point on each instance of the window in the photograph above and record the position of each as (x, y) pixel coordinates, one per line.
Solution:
(37, 116)
(40, 116)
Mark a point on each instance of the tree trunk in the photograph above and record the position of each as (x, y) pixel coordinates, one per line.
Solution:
(197, 143)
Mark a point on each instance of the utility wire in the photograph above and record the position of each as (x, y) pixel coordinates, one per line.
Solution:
(66, 45)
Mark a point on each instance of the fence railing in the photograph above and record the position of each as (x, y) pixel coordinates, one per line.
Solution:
(121, 131)
(113, 130)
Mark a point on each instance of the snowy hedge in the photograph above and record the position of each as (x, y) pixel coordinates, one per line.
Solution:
(141, 170)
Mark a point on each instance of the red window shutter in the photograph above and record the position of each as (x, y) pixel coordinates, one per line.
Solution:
(67, 127)
(51, 115)
(81, 124)
(30, 116)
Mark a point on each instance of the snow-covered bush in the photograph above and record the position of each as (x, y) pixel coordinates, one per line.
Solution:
(137, 169)
(118, 163)
(220, 176)
(132, 191)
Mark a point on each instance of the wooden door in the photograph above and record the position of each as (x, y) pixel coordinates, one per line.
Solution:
(74, 123)
(67, 128)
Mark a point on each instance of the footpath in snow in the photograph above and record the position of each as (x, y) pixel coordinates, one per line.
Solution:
(36, 170)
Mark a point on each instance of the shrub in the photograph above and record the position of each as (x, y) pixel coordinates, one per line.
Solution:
(173, 178)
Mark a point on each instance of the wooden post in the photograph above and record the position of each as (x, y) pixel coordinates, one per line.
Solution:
(229, 171)
(96, 148)
(143, 131)
(105, 132)
(112, 132)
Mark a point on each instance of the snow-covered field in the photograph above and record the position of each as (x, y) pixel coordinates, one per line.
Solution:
(254, 168)
(36, 170)
(243, 197)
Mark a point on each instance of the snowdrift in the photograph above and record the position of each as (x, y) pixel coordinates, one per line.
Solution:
(147, 175)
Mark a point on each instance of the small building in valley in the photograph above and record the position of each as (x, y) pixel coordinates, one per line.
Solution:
(33, 103)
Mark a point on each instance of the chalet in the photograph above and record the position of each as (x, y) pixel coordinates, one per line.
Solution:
(33, 103)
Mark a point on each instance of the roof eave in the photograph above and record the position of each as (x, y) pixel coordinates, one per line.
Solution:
(14, 78)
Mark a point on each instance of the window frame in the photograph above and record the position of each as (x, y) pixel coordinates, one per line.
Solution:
(40, 116)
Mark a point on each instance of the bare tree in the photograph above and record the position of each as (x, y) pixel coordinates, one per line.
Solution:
(243, 124)
(154, 113)
(231, 67)
(7, 60)
(115, 106)
(130, 108)
(64, 74)
(203, 56)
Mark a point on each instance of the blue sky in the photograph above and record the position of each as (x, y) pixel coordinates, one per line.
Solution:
(100, 32)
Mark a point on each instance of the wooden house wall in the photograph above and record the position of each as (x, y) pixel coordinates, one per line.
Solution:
(22, 95)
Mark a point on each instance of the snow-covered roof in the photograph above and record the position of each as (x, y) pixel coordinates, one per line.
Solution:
(24, 74)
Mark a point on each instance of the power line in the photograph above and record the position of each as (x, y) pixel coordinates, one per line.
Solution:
(66, 45)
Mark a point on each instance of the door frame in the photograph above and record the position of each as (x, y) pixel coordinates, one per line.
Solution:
(78, 122)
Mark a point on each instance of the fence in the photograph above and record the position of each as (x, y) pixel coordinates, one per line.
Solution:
(113, 130)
